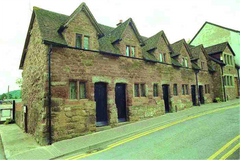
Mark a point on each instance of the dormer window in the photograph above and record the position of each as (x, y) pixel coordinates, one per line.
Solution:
(160, 57)
(78, 40)
(86, 42)
(186, 62)
(133, 51)
(127, 51)
(82, 41)
(164, 57)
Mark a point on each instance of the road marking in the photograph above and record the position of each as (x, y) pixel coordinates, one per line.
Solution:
(230, 152)
(223, 148)
(149, 132)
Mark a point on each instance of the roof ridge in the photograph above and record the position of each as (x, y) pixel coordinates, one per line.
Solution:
(217, 44)
(35, 8)
(154, 35)
(222, 26)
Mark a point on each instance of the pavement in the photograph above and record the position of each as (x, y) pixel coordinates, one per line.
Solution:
(19, 145)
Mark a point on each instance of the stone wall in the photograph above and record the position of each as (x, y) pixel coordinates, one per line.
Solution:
(34, 84)
(72, 118)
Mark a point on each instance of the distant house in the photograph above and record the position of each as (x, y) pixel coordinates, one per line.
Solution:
(212, 34)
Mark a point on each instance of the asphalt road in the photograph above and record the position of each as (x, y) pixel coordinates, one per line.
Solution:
(198, 138)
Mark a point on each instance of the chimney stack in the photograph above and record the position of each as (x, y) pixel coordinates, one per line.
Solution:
(120, 22)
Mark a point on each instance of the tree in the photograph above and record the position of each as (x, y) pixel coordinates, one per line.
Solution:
(19, 82)
(10, 96)
(3, 96)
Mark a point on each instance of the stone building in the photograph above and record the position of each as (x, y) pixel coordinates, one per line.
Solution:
(211, 34)
(79, 75)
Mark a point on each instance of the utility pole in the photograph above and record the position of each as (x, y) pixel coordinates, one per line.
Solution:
(8, 89)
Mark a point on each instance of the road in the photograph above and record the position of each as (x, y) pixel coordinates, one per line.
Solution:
(198, 138)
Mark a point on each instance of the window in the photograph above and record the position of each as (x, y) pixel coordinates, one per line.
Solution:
(133, 51)
(182, 61)
(231, 82)
(202, 65)
(143, 94)
(73, 91)
(82, 41)
(82, 90)
(183, 90)
(164, 57)
(160, 57)
(175, 92)
(228, 81)
(186, 62)
(155, 90)
(186, 89)
(225, 58)
(79, 93)
(228, 59)
(231, 60)
(86, 41)
(127, 51)
(136, 90)
(78, 41)
(207, 88)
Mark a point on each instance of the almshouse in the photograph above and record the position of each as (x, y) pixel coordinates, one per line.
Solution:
(79, 74)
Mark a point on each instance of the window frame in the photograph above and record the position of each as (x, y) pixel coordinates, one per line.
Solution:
(155, 88)
(78, 37)
(133, 51)
(77, 89)
(84, 36)
(127, 50)
(143, 90)
(175, 90)
(183, 89)
(136, 92)
(85, 91)
(186, 89)
(160, 57)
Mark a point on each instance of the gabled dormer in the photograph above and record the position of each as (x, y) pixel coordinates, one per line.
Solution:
(126, 38)
(200, 57)
(222, 52)
(157, 48)
(182, 53)
(81, 29)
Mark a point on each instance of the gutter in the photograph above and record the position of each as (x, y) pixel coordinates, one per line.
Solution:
(198, 101)
(49, 95)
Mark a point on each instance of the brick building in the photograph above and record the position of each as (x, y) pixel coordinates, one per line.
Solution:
(79, 74)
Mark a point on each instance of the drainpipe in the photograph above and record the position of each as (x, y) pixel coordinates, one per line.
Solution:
(49, 95)
(198, 101)
(238, 82)
(223, 80)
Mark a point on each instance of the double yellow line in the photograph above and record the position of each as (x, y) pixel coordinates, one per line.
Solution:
(147, 132)
(225, 147)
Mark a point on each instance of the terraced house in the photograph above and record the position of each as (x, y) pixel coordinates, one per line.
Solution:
(79, 75)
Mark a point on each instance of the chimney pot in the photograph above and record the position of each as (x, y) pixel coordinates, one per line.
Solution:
(120, 22)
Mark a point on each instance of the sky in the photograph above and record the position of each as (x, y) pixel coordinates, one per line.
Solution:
(178, 18)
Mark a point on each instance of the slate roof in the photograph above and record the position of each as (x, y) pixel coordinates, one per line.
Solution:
(195, 52)
(152, 42)
(177, 47)
(49, 23)
(218, 48)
